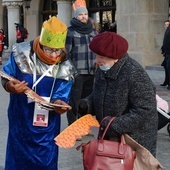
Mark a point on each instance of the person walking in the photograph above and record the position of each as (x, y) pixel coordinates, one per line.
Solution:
(40, 65)
(113, 27)
(95, 25)
(166, 81)
(166, 52)
(79, 36)
(2, 41)
(122, 89)
(19, 33)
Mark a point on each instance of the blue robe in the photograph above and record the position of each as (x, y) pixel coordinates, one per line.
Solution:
(31, 147)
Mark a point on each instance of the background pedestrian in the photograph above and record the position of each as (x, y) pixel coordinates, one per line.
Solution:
(2, 41)
(79, 36)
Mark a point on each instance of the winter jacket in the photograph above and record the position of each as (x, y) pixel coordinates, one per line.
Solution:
(166, 41)
(77, 45)
(126, 92)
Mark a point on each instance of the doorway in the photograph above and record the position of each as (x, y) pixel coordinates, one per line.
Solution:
(103, 12)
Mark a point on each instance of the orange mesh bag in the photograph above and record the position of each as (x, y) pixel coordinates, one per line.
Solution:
(67, 138)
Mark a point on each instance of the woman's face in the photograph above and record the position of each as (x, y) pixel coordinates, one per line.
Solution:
(102, 60)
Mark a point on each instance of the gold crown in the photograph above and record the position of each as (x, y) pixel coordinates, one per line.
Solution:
(79, 3)
(53, 33)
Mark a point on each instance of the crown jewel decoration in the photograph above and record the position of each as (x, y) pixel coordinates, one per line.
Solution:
(79, 3)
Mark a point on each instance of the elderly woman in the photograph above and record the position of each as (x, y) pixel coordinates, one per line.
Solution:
(39, 65)
(124, 90)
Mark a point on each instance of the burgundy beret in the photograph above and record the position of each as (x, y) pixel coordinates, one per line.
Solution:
(109, 44)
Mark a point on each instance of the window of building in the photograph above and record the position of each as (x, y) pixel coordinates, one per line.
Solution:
(103, 12)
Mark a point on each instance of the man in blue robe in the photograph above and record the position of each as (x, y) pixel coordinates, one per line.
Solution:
(41, 66)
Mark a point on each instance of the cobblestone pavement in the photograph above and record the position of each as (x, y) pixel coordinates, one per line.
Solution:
(71, 159)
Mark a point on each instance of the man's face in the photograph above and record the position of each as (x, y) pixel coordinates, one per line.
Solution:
(83, 17)
(166, 25)
(53, 53)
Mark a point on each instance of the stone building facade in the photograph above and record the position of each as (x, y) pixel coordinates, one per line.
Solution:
(139, 21)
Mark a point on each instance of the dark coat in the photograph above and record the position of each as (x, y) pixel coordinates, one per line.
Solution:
(166, 41)
(79, 36)
(127, 92)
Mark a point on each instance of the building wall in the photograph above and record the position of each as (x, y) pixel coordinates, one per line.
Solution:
(33, 19)
(139, 21)
(1, 15)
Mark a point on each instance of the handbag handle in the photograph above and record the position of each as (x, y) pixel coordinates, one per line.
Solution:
(111, 120)
(100, 130)
(122, 140)
(104, 119)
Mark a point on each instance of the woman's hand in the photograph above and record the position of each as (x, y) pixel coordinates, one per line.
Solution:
(82, 107)
(16, 86)
(61, 109)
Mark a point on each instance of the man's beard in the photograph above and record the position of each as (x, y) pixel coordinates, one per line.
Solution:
(84, 21)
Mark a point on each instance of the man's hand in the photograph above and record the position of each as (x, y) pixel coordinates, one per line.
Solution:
(61, 110)
(15, 86)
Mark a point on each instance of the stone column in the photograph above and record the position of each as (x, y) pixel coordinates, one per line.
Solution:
(13, 16)
(1, 16)
(65, 11)
(141, 23)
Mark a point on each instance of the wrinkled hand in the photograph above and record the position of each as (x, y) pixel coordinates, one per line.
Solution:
(15, 86)
(82, 107)
(61, 110)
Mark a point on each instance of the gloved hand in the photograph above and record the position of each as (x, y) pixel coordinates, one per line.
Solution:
(110, 132)
(82, 107)
(15, 86)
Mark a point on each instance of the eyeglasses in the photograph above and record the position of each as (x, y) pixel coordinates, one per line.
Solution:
(50, 50)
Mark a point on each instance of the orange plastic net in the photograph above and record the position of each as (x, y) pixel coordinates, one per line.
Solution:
(67, 138)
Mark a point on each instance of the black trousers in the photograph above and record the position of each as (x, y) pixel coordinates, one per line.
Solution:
(81, 88)
(167, 69)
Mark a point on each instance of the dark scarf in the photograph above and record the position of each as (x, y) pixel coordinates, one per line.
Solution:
(81, 27)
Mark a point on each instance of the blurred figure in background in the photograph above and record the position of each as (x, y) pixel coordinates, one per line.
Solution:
(165, 83)
(19, 33)
(166, 53)
(105, 27)
(2, 41)
(113, 27)
(95, 25)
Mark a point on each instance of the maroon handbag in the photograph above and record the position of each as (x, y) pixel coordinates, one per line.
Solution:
(101, 154)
